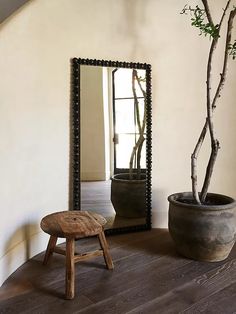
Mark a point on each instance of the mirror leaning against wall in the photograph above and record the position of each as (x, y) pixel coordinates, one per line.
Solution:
(111, 166)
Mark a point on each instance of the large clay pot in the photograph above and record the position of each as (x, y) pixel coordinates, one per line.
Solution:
(203, 232)
(128, 197)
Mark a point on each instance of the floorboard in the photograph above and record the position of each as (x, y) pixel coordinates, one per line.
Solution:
(149, 277)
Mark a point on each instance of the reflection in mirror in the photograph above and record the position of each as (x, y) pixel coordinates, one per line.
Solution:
(114, 168)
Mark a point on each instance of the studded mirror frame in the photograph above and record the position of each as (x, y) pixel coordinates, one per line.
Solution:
(75, 128)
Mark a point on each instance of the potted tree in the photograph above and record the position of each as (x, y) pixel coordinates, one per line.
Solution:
(128, 189)
(203, 224)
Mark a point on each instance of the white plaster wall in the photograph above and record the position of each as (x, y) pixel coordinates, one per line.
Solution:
(93, 158)
(35, 48)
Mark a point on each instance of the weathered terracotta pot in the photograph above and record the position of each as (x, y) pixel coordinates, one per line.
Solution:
(128, 196)
(203, 232)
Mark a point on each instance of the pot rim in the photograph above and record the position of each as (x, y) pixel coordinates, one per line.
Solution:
(229, 201)
(114, 178)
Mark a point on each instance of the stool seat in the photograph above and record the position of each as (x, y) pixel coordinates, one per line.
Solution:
(74, 225)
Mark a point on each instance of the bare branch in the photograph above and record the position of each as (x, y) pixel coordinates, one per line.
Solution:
(139, 144)
(139, 157)
(136, 102)
(194, 179)
(226, 56)
(194, 158)
(204, 130)
(140, 86)
(207, 10)
(135, 148)
(210, 107)
(205, 127)
(209, 171)
(224, 11)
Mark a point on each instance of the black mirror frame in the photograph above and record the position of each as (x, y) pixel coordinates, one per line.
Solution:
(76, 192)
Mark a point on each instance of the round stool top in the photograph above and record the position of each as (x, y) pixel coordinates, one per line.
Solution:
(76, 224)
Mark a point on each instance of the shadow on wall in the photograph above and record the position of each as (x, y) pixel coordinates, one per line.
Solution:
(18, 248)
(10, 7)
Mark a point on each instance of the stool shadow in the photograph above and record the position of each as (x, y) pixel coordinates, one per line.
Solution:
(91, 264)
(21, 237)
(50, 279)
(19, 246)
(164, 247)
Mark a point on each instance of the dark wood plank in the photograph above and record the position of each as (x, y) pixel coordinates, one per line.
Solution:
(149, 277)
(44, 301)
(192, 292)
(156, 281)
(224, 301)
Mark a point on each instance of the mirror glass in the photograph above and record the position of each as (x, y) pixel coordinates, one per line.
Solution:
(113, 144)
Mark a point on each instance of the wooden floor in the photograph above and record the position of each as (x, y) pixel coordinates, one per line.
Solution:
(149, 277)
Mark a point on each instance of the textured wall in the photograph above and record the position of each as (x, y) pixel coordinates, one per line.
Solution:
(36, 45)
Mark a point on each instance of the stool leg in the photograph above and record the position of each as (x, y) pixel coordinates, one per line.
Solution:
(51, 245)
(70, 268)
(106, 253)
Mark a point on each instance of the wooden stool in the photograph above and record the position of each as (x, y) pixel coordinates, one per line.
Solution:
(74, 225)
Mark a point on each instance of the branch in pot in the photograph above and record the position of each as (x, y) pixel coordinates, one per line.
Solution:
(137, 149)
(210, 107)
(208, 28)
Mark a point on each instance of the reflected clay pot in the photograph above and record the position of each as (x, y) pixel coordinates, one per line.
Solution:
(128, 197)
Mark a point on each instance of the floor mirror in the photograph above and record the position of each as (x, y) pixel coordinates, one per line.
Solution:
(111, 142)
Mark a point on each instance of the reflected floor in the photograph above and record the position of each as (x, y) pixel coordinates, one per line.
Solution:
(95, 196)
